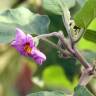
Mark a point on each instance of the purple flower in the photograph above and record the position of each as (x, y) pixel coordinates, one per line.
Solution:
(25, 45)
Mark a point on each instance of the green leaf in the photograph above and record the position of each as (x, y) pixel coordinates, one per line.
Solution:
(89, 45)
(90, 56)
(54, 5)
(82, 91)
(93, 85)
(23, 18)
(81, 2)
(90, 35)
(92, 25)
(46, 93)
(56, 23)
(54, 77)
(86, 14)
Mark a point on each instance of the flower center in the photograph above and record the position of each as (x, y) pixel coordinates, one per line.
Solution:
(27, 48)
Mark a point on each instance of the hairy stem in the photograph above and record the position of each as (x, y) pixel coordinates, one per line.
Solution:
(81, 59)
(47, 35)
(53, 44)
(85, 77)
(44, 38)
(74, 51)
(67, 45)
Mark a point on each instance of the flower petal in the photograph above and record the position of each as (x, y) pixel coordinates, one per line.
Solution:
(39, 61)
(29, 39)
(20, 36)
(13, 43)
(38, 56)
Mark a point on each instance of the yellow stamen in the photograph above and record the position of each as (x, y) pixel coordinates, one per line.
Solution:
(27, 48)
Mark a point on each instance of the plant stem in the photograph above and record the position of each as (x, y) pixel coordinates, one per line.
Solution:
(74, 52)
(67, 45)
(89, 70)
(44, 36)
(65, 42)
(53, 44)
(85, 77)
(81, 59)
(47, 35)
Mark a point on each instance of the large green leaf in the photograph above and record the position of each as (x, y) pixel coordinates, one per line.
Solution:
(86, 14)
(24, 19)
(92, 25)
(89, 45)
(91, 32)
(81, 2)
(82, 91)
(46, 93)
(56, 23)
(90, 35)
(92, 84)
(89, 38)
(89, 55)
(54, 77)
(54, 5)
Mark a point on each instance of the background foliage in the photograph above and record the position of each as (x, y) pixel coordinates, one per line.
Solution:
(19, 75)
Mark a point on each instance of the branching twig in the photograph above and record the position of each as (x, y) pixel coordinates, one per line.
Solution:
(85, 77)
(54, 45)
(67, 45)
(47, 35)
(81, 59)
(44, 36)
(73, 50)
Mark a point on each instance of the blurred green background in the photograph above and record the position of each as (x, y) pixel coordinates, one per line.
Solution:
(21, 75)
